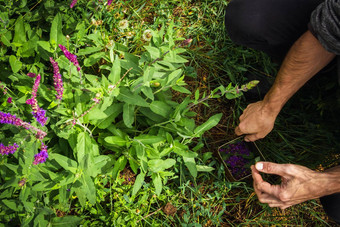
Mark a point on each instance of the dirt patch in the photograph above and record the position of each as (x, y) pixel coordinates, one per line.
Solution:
(170, 209)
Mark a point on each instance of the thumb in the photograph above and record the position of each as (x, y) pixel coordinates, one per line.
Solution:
(272, 168)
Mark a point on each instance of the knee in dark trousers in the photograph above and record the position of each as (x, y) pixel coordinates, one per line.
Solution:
(271, 26)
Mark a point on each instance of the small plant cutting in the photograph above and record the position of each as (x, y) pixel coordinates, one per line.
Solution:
(237, 156)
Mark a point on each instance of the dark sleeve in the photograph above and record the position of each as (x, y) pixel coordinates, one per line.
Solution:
(325, 25)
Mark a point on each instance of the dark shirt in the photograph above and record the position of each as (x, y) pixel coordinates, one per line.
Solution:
(325, 25)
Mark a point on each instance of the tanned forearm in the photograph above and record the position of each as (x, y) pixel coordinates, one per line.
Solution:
(305, 58)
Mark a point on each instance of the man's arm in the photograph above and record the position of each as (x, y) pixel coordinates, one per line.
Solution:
(299, 184)
(305, 58)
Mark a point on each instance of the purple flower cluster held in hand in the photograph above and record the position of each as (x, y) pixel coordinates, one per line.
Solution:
(41, 156)
(57, 80)
(10, 149)
(37, 112)
(73, 3)
(71, 57)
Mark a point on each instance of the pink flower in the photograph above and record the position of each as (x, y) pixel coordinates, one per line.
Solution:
(73, 3)
(32, 75)
(58, 82)
(9, 100)
(37, 112)
(10, 149)
(109, 2)
(71, 57)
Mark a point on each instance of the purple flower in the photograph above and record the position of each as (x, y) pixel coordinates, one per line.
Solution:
(10, 149)
(41, 156)
(9, 100)
(71, 57)
(38, 113)
(32, 75)
(35, 86)
(58, 82)
(73, 3)
(7, 118)
(109, 2)
(40, 116)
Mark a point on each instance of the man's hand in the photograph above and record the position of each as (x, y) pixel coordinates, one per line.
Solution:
(298, 184)
(256, 121)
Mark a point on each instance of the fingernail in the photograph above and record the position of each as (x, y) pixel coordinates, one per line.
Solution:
(259, 166)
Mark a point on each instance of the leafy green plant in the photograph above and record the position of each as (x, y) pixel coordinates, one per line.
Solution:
(113, 110)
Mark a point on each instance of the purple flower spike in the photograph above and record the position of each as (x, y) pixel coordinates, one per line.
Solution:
(109, 2)
(35, 86)
(41, 156)
(5, 150)
(58, 82)
(40, 116)
(7, 118)
(73, 3)
(37, 112)
(71, 57)
(32, 75)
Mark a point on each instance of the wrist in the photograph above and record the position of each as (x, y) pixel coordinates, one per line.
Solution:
(332, 180)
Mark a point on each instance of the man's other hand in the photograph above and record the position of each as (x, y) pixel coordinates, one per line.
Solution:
(298, 184)
(256, 121)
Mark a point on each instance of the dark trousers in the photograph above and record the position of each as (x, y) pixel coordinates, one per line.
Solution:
(272, 26)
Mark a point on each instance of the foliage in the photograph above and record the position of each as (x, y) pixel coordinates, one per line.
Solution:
(114, 109)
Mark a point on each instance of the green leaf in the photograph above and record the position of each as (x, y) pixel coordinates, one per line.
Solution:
(160, 108)
(181, 89)
(119, 165)
(15, 64)
(114, 76)
(85, 145)
(158, 165)
(128, 114)
(6, 37)
(115, 140)
(65, 162)
(204, 168)
(174, 75)
(68, 221)
(212, 122)
(12, 204)
(154, 52)
(149, 139)
(157, 181)
(131, 98)
(138, 183)
(191, 164)
(19, 33)
(56, 34)
(94, 58)
(89, 188)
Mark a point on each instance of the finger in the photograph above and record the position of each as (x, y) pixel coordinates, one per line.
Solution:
(273, 168)
(251, 137)
(238, 131)
(262, 186)
(266, 198)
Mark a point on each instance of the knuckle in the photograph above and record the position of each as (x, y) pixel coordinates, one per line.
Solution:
(284, 197)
